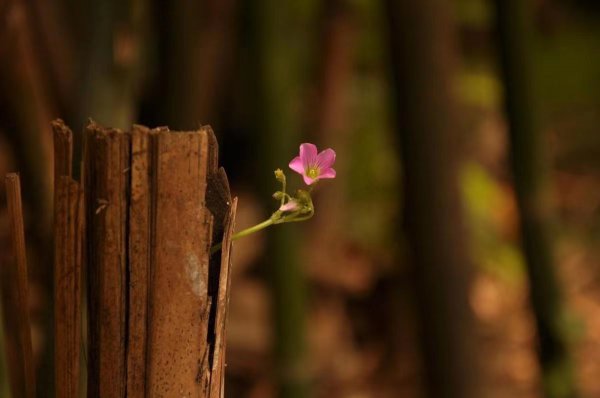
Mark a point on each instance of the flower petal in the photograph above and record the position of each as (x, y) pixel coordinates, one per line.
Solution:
(327, 173)
(326, 158)
(308, 180)
(297, 165)
(308, 154)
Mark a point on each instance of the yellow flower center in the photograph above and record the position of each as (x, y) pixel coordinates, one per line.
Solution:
(313, 172)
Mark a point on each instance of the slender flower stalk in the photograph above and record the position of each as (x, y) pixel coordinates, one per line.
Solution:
(245, 232)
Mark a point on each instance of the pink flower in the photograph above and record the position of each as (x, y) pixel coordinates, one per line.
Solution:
(313, 166)
(292, 205)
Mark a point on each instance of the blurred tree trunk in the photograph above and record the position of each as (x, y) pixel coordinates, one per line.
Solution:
(112, 66)
(530, 183)
(281, 53)
(195, 50)
(423, 63)
(54, 44)
(335, 62)
(329, 114)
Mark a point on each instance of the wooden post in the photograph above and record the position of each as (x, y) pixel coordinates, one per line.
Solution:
(17, 328)
(156, 202)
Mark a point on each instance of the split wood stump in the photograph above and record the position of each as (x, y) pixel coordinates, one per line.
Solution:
(139, 225)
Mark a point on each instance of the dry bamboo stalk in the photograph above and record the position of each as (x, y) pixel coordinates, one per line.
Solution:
(180, 305)
(15, 299)
(106, 179)
(68, 230)
(140, 227)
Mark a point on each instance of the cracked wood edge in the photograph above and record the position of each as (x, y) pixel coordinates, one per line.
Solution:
(218, 364)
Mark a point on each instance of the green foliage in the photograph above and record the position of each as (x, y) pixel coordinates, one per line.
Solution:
(479, 86)
(566, 64)
(474, 13)
(491, 251)
(554, 380)
(373, 168)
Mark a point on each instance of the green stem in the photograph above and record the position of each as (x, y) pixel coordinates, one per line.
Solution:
(243, 233)
(283, 183)
(253, 229)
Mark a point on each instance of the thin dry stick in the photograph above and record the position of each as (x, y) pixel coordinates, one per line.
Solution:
(15, 285)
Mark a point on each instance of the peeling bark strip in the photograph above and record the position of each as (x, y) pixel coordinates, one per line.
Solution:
(218, 360)
(155, 202)
(13, 278)
(68, 230)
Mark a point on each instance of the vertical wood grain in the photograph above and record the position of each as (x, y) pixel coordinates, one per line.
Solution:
(68, 229)
(15, 299)
(107, 197)
(179, 284)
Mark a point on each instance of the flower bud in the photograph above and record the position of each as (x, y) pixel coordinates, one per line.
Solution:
(292, 205)
(303, 196)
(279, 175)
(278, 195)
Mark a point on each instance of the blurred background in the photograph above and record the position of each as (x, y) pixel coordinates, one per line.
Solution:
(457, 252)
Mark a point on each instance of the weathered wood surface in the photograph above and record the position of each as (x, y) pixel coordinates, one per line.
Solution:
(140, 226)
(13, 279)
(63, 151)
(179, 280)
(155, 203)
(68, 230)
(106, 191)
